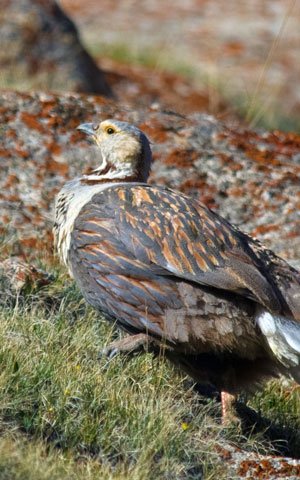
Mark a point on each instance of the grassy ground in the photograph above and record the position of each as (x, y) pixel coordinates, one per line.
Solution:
(65, 414)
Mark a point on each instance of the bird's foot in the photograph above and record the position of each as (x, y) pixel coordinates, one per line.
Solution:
(128, 345)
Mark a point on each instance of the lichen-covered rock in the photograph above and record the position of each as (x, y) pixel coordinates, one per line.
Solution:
(252, 178)
(240, 464)
(40, 49)
(19, 277)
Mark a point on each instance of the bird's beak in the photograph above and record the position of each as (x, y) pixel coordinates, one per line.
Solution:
(88, 129)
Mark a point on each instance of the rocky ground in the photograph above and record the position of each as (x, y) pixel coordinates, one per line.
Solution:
(250, 177)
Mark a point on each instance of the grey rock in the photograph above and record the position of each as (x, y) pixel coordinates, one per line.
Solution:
(40, 49)
(221, 164)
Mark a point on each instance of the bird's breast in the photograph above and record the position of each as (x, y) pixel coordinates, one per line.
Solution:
(70, 200)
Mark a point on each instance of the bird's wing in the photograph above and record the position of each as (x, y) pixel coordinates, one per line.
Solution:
(165, 233)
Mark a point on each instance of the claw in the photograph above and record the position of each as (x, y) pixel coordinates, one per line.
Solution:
(129, 345)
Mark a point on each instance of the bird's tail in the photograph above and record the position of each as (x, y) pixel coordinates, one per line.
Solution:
(283, 337)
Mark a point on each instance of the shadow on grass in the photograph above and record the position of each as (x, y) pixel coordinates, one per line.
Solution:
(283, 438)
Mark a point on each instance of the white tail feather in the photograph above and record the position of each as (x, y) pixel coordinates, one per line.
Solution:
(283, 337)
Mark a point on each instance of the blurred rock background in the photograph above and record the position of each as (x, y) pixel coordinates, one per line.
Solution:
(40, 49)
(247, 52)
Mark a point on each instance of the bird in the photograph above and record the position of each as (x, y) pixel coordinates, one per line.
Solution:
(175, 275)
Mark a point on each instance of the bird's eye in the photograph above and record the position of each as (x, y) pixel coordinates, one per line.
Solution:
(110, 131)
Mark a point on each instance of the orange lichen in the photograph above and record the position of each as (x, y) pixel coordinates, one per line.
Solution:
(11, 180)
(264, 229)
(224, 453)
(265, 469)
(155, 130)
(181, 157)
(32, 121)
(22, 153)
(54, 148)
(266, 150)
(57, 167)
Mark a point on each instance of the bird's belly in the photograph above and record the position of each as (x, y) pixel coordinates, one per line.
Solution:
(189, 317)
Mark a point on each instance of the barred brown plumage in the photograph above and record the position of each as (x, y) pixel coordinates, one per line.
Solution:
(173, 273)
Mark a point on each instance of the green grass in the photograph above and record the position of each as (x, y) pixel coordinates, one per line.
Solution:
(152, 58)
(66, 414)
(120, 419)
(265, 111)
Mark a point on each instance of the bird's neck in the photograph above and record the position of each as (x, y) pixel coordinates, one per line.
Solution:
(108, 172)
(127, 169)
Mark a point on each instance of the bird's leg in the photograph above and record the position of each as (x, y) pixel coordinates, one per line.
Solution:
(128, 345)
(229, 414)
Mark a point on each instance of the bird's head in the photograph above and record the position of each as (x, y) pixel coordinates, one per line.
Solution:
(124, 148)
